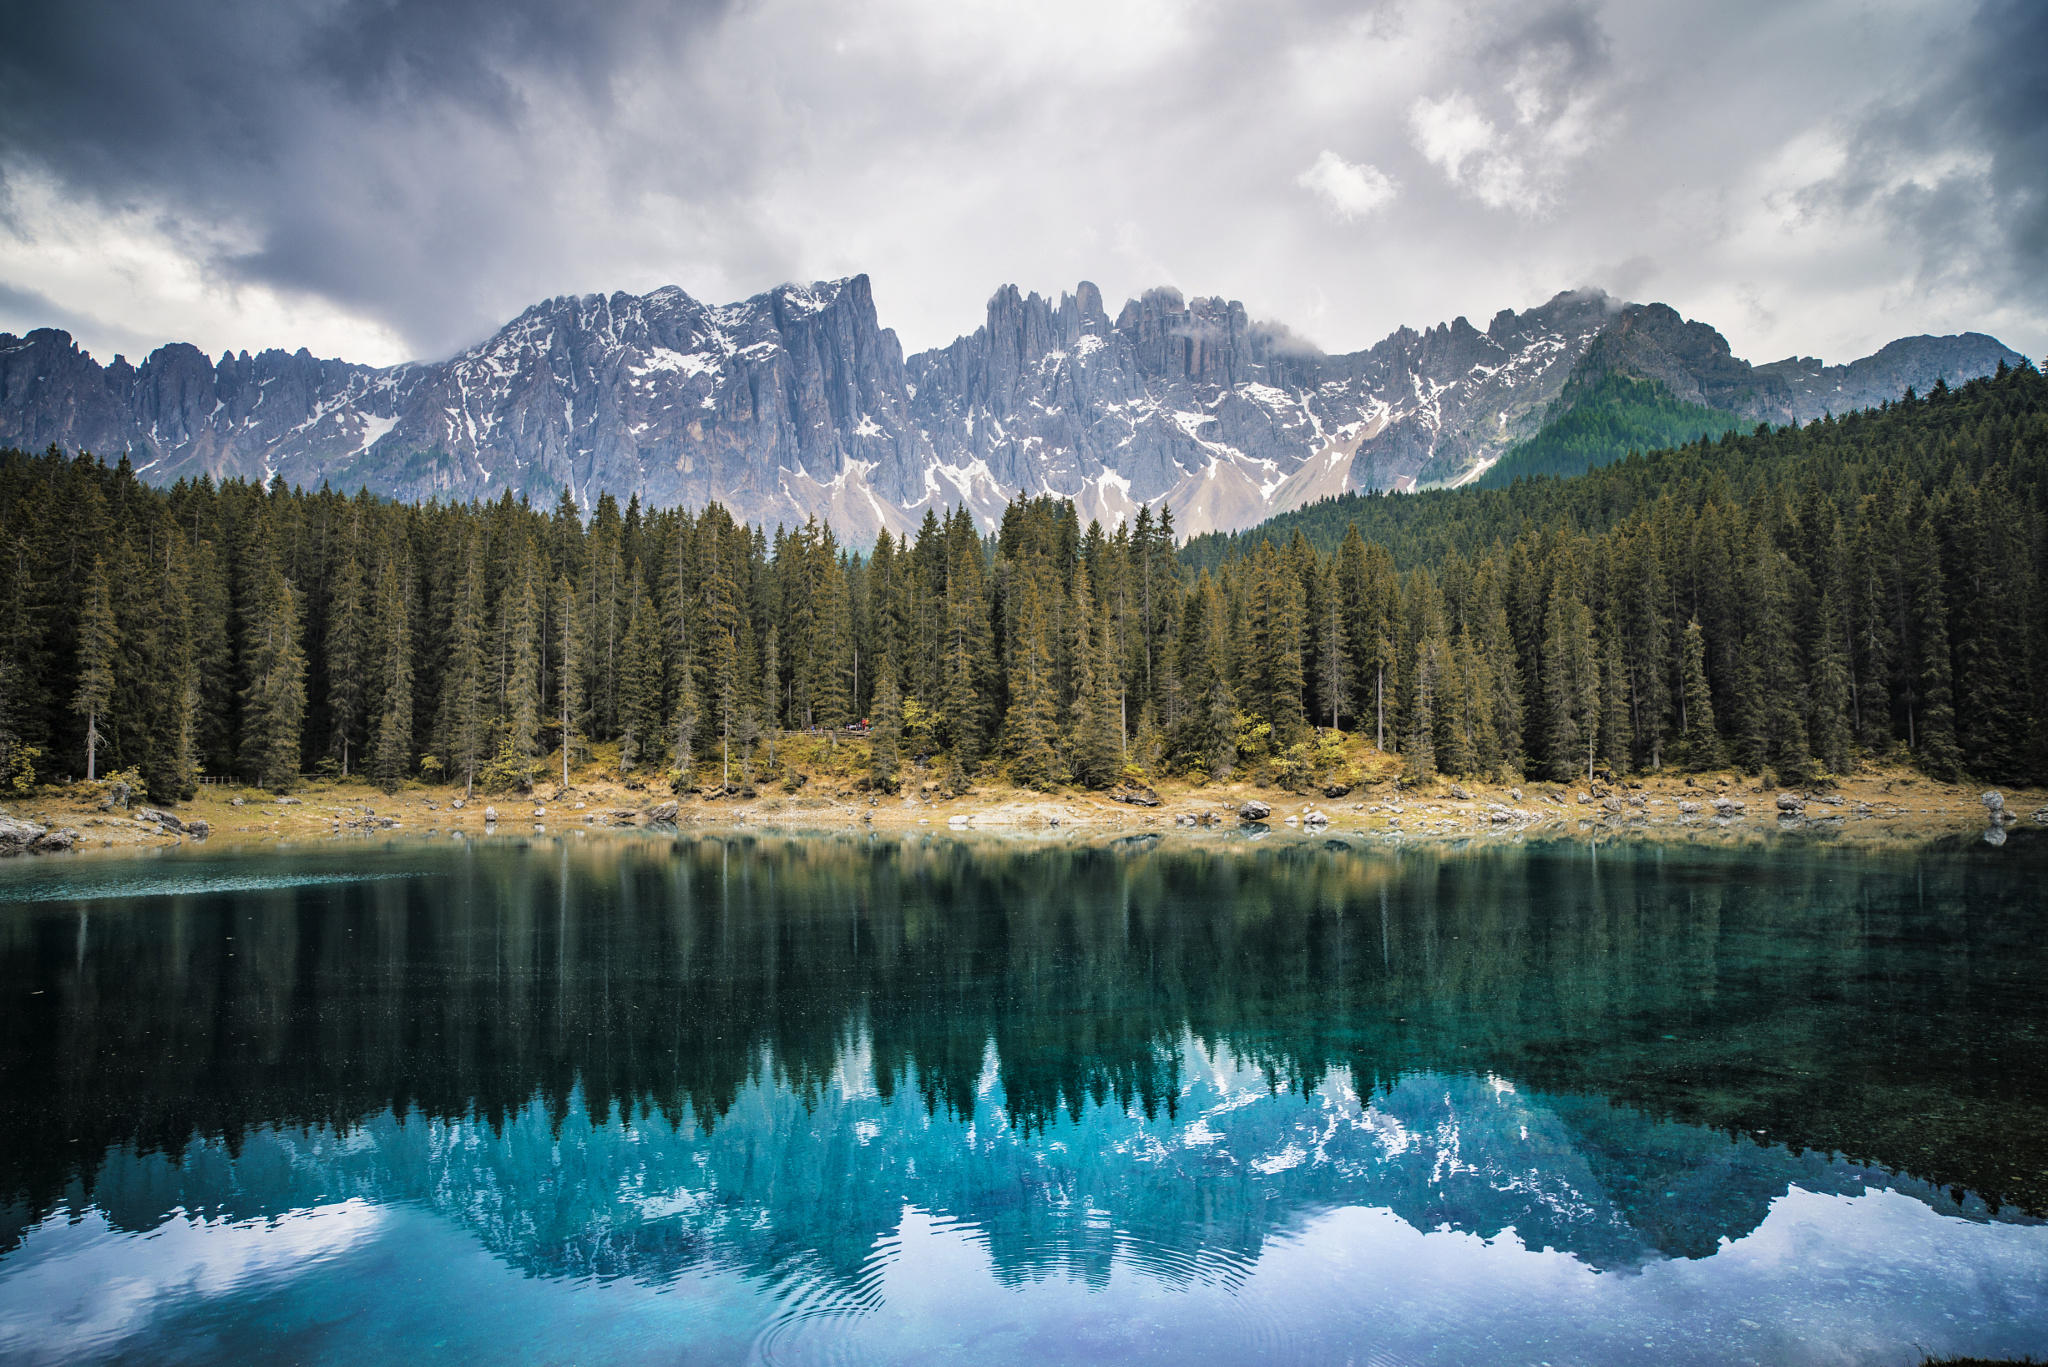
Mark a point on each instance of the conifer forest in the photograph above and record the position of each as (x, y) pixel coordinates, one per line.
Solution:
(1797, 600)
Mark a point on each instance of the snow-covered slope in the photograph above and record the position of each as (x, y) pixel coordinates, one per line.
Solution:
(798, 402)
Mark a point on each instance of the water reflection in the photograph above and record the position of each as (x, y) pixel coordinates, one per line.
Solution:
(780, 1077)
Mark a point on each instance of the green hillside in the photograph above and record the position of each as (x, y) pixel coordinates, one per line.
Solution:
(1598, 423)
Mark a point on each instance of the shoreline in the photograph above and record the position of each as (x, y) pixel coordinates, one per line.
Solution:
(1885, 808)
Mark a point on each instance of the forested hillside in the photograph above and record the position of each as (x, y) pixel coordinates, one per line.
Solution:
(1593, 423)
(1796, 600)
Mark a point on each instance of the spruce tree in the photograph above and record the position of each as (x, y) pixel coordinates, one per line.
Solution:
(169, 692)
(521, 749)
(1095, 740)
(1700, 743)
(1828, 695)
(1034, 698)
(98, 647)
(1571, 688)
(347, 650)
(391, 730)
(640, 686)
(464, 717)
(569, 700)
(1930, 708)
(274, 703)
(887, 732)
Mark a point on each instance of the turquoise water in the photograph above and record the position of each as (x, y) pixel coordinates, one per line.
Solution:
(847, 1099)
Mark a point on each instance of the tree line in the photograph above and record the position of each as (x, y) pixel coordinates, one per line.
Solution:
(1800, 600)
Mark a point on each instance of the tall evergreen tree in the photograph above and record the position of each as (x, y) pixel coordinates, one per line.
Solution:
(1700, 742)
(99, 645)
(1571, 687)
(464, 715)
(391, 731)
(887, 730)
(640, 686)
(274, 703)
(347, 649)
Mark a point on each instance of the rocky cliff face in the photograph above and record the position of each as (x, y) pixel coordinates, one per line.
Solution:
(1694, 362)
(798, 402)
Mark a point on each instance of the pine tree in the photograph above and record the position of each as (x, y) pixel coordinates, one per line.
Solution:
(1700, 743)
(1333, 658)
(1095, 740)
(1275, 645)
(1828, 696)
(348, 665)
(1617, 734)
(1034, 699)
(170, 766)
(967, 654)
(887, 732)
(98, 648)
(274, 703)
(18, 675)
(1930, 707)
(391, 731)
(464, 717)
(640, 685)
(1420, 750)
(569, 697)
(521, 748)
(1571, 687)
(722, 660)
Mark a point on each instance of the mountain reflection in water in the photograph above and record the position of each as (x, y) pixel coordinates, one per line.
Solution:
(657, 1062)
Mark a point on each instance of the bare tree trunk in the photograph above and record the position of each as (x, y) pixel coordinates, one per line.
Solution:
(1379, 694)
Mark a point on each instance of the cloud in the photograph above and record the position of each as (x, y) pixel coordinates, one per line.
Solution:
(381, 180)
(1353, 190)
(1955, 170)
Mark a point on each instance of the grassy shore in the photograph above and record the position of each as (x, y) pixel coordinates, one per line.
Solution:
(816, 784)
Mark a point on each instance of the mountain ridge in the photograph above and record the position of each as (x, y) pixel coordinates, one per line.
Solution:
(797, 402)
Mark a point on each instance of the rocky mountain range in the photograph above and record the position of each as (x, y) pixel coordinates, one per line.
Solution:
(797, 402)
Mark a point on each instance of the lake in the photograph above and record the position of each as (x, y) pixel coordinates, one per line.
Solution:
(851, 1099)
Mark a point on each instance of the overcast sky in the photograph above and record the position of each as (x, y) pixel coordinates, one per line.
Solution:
(382, 181)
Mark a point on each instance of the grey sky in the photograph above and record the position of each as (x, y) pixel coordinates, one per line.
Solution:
(382, 180)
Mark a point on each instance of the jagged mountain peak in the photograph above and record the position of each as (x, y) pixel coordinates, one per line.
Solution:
(797, 402)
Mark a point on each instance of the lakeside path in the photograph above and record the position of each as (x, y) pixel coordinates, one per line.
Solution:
(1884, 807)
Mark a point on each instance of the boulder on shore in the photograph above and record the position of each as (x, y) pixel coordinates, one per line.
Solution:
(664, 811)
(1254, 810)
(17, 835)
(1137, 794)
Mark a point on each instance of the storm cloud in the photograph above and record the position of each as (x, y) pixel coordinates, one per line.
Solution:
(381, 180)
